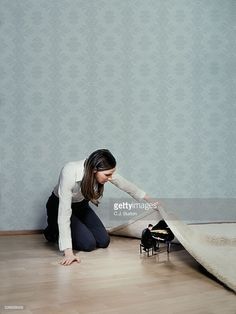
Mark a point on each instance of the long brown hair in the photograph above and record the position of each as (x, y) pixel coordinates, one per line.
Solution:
(100, 160)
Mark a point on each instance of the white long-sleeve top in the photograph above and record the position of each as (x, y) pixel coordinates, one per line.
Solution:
(68, 190)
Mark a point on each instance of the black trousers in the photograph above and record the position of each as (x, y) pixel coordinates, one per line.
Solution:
(87, 230)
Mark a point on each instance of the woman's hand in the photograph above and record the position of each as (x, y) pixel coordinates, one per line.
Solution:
(69, 258)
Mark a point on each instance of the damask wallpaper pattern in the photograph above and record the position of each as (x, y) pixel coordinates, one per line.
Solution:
(153, 81)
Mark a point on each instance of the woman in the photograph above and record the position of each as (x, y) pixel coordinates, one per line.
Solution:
(69, 215)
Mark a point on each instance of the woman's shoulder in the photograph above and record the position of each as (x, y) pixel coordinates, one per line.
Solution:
(74, 167)
(75, 164)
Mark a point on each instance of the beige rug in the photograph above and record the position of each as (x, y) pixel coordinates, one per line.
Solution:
(213, 245)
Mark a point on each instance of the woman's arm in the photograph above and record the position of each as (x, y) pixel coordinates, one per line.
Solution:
(133, 190)
(66, 184)
(128, 187)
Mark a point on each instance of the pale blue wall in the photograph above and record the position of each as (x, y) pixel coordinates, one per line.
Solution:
(153, 81)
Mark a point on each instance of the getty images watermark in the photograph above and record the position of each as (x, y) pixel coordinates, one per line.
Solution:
(132, 209)
(192, 210)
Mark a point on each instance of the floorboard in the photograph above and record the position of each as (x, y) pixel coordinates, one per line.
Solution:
(113, 280)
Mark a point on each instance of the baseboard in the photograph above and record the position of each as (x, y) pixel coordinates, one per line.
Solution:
(19, 232)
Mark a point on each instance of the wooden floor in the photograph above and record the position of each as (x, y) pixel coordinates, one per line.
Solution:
(113, 280)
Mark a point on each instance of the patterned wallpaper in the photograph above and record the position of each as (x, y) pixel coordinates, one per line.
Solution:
(153, 81)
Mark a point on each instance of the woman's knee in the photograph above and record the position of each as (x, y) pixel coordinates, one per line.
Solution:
(104, 242)
(87, 246)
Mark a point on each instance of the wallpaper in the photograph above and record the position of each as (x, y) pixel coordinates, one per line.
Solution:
(153, 81)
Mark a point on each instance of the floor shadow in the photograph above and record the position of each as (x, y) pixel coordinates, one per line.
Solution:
(206, 273)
